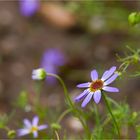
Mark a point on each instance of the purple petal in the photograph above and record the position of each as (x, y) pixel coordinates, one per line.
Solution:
(35, 134)
(105, 73)
(84, 85)
(35, 121)
(51, 61)
(22, 132)
(111, 79)
(87, 99)
(83, 94)
(41, 127)
(110, 89)
(109, 73)
(27, 123)
(28, 7)
(94, 75)
(97, 96)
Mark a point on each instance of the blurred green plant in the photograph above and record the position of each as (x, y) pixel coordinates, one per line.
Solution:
(3, 120)
(134, 18)
(22, 99)
(132, 58)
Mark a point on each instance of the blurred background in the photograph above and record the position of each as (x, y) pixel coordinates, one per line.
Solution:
(68, 38)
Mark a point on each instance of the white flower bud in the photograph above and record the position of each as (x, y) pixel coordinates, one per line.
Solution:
(39, 74)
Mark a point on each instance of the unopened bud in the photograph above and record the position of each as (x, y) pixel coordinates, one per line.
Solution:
(39, 74)
(134, 18)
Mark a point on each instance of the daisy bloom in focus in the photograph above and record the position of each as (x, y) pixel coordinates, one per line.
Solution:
(95, 87)
(31, 127)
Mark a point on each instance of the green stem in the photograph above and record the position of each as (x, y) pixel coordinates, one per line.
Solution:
(97, 118)
(64, 87)
(75, 110)
(38, 92)
(96, 115)
(113, 118)
(57, 136)
(63, 114)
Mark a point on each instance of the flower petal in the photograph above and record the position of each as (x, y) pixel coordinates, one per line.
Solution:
(84, 85)
(28, 7)
(110, 89)
(111, 79)
(94, 75)
(35, 121)
(27, 123)
(105, 73)
(41, 127)
(87, 99)
(83, 94)
(35, 134)
(22, 132)
(97, 96)
(109, 73)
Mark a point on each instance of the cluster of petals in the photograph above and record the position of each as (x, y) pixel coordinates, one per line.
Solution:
(95, 87)
(31, 127)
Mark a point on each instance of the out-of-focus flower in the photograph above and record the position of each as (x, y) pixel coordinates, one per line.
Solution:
(51, 61)
(31, 127)
(28, 7)
(95, 87)
(39, 74)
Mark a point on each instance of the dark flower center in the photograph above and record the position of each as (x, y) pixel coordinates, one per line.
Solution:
(96, 85)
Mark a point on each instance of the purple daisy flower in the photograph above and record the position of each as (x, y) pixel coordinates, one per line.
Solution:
(28, 7)
(31, 127)
(95, 87)
(51, 61)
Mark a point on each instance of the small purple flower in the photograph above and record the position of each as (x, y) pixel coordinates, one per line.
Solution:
(95, 87)
(51, 61)
(28, 7)
(31, 127)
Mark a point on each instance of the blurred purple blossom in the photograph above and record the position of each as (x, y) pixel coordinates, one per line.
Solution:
(51, 61)
(28, 7)
(31, 127)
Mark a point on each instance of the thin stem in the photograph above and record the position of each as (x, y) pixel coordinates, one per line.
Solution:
(63, 114)
(57, 136)
(97, 118)
(75, 110)
(96, 115)
(113, 118)
(38, 92)
(64, 87)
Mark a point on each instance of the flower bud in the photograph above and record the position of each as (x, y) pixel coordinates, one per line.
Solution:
(39, 74)
(134, 18)
(55, 126)
(11, 134)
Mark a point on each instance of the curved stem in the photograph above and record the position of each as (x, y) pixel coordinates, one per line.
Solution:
(57, 136)
(63, 114)
(64, 87)
(113, 118)
(75, 110)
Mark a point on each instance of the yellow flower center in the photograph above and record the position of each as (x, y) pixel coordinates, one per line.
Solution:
(33, 129)
(96, 85)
